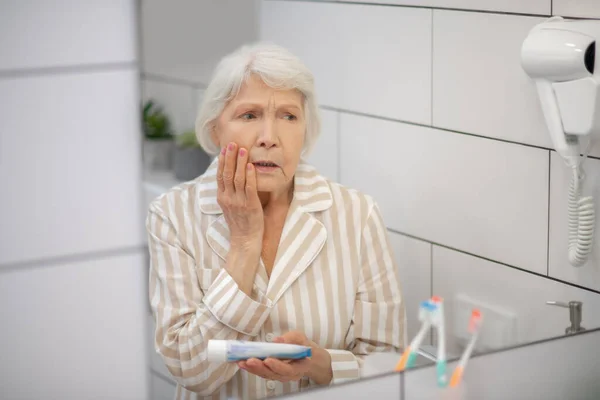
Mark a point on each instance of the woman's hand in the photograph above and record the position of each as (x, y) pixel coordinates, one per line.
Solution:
(317, 367)
(238, 197)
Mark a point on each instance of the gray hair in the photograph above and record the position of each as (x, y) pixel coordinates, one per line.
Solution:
(277, 67)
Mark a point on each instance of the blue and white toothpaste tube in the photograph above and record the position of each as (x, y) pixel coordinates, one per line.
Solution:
(238, 350)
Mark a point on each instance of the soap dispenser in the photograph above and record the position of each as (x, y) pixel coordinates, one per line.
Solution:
(574, 314)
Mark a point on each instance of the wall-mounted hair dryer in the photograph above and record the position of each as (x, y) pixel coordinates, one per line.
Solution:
(560, 56)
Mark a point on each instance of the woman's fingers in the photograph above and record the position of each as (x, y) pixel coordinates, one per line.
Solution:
(239, 181)
(251, 190)
(288, 370)
(258, 367)
(229, 168)
(275, 369)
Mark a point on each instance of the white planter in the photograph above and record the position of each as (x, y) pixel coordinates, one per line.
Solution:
(157, 154)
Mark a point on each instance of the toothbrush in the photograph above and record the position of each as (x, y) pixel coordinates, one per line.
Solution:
(438, 322)
(474, 326)
(410, 353)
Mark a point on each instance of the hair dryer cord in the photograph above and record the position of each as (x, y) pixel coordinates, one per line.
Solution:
(581, 222)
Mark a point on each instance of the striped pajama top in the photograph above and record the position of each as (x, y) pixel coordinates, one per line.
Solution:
(334, 278)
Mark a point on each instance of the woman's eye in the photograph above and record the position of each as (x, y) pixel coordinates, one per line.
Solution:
(248, 115)
(290, 117)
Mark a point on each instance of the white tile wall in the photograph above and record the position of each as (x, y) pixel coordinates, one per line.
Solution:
(413, 258)
(51, 37)
(478, 83)
(516, 291)
(559, 267)
(177, 100)
(389, 76)
(515, 6)
(161, 389)
(481, 196)
(325, 153)
(576, 8)
(277, 25)
(70, 173)
(178, 38)
(74, 331)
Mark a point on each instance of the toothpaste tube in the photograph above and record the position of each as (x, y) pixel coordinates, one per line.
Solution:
(238, 350)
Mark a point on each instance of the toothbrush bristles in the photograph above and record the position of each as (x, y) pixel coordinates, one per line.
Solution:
(475, 320)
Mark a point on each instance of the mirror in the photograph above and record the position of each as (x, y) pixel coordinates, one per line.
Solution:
(426, 110)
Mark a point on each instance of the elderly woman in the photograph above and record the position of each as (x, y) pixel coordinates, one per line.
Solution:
(261, 247)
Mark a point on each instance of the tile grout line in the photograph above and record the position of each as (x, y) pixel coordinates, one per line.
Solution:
(431, 73)
(466, 10)
(67, 69)
(431, 330)
(540, 275)
(431, 269)
(548, 226)
(378, 117)
(338, 117)
(43, 263)
(171, 80)
(359, 3)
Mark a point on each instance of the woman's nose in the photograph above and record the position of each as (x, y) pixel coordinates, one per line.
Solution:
(268, 136)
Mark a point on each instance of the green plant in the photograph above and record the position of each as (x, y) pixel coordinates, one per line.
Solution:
(187, 139)
(156, 123)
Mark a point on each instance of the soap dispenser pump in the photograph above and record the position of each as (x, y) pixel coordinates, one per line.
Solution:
(575, 314)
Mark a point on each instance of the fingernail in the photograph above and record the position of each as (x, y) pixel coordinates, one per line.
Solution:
(231, 146)
(249, 166)
(223, 150)
(242, 152)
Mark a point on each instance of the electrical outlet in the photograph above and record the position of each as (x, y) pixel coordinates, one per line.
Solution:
(498, 329)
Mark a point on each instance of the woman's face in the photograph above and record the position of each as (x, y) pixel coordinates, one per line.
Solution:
(270, 124)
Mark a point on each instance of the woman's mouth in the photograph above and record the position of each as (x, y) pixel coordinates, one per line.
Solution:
(265, 166)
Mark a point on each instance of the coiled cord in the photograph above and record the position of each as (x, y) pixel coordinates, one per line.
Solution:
(581, 222)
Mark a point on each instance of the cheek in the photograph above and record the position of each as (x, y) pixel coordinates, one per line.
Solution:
(292, 149)
(237, 133)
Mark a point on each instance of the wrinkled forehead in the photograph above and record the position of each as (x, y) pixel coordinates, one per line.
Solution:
(255, 91)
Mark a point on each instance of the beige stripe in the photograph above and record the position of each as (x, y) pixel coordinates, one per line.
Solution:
(341, 356)
(286, 387)
(157, 227)
(185, 262)
(346, 374)
(228, 389)
(239, 379)
(287, 245)
(251, 388)
(318, 308)
(306, 293)
(331, 295)
(318, 184)
(316, 198)
(170, 262)
(339, 225)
